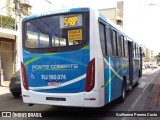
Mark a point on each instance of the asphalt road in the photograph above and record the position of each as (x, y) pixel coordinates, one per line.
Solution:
(135, 101)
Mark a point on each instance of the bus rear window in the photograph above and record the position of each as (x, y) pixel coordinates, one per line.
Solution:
(56, 31)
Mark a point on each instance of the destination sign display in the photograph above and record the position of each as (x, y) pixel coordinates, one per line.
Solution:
(70, 21)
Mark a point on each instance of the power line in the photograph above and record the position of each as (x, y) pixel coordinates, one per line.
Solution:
(146, 7)
(3, 7)
(139, 7)
(142, 9)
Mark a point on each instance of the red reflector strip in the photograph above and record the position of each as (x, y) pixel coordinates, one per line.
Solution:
(24, 76)
(84, 8)
(25, 95)
(90, 99)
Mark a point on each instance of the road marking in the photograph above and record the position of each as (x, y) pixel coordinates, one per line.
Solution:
(142, 84)
(4, 91)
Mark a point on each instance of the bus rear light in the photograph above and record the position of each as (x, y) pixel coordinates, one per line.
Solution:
(90, 99)
(90, 76)
(24, 77)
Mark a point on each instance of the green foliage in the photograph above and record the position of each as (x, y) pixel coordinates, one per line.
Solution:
(146, 60)
(158, 55)
(154, 59)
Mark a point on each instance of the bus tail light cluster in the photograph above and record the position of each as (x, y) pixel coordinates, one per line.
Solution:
(24, 77)
(90, 76)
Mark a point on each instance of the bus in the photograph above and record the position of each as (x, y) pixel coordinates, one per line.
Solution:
(76, 57)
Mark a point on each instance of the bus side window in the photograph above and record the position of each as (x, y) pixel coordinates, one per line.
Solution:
(134, 50)
(108, 41)
(122, 43)
(102, 38)
(114, 39)
(126, 47)
(119, 45)
(138, 53)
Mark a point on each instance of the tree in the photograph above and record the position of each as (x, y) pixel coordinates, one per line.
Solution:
(158, 57)
(147, 58)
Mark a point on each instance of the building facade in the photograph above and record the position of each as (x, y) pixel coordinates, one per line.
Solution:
(149, 55)
(10, 13)
(115, 14)
(7, 39)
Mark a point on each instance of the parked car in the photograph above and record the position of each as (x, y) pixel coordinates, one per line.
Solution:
(15, 84)
(154, 66)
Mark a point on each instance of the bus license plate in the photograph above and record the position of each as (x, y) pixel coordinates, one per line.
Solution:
(56, 84)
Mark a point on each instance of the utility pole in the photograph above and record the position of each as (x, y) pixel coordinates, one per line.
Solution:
(17, 11)
(22, 9)
(17, 45)
(48, 3)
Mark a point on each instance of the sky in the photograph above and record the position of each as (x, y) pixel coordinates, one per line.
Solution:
(55, 4)
(141, 20)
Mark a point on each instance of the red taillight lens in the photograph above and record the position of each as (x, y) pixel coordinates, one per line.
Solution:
(24, 77)
(90, 77)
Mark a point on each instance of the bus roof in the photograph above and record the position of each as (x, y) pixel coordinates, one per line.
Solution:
(82, 9)
(56, 12)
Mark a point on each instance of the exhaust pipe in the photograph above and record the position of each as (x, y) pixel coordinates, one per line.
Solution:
(30, 104)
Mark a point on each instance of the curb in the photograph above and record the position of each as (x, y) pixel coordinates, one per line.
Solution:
(153, 81)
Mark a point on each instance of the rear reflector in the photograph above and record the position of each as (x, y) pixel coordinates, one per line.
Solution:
(24, 77)
(25, 95)
(90, 99)
(90, 76)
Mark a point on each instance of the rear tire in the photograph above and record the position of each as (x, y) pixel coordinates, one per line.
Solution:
(16, 95)
(137, 83)
(122, 98)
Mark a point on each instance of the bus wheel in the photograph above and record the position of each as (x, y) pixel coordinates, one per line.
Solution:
(137, 83)
(122, 98)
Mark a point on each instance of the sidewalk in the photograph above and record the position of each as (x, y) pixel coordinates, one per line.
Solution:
(5, 84)
(4, 89)
(153, 91)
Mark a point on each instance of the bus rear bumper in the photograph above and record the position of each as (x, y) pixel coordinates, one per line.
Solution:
(82, 99)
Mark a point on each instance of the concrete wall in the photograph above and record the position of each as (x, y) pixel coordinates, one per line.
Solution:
(110, 13)
(7, 58)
